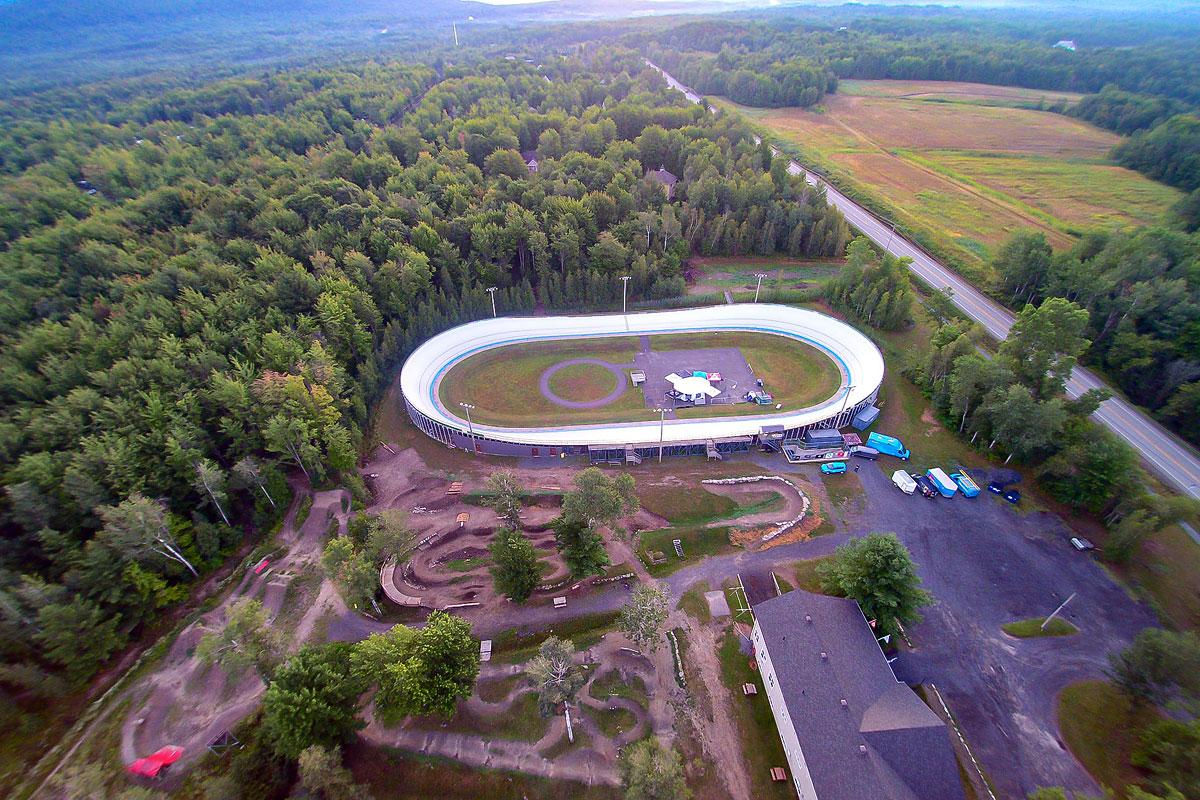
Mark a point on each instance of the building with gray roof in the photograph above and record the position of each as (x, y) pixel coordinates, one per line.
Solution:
(850, 730)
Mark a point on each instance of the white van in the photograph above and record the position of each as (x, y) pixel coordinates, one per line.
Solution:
(904, 481)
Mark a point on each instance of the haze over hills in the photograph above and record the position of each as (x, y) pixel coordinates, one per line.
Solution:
(49, 43)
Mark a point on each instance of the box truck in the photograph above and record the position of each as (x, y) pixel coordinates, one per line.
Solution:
(888, 445)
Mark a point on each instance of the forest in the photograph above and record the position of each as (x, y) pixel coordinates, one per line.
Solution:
(208, 288)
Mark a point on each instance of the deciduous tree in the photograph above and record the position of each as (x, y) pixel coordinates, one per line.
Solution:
(515, 566)
(650, 772)
(312, 700)
(555, 673)
(879, 573)
(643, 616)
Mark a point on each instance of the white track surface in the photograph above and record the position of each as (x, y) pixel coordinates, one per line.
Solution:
(860, 361)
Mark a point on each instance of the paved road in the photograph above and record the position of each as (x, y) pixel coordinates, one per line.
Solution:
(1172, 459)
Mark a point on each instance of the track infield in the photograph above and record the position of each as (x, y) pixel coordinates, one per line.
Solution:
(505, 384)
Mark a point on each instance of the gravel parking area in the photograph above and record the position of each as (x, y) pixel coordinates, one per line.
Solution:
(986, 563)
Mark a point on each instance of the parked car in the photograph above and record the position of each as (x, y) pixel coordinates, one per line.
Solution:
(834, 468)
(996, 488)
(862, 451)
(1081, 544)
(925, 485)
(1012, 496)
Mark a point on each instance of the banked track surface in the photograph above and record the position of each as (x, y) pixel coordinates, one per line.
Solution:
(1168, 455)
(858, 358)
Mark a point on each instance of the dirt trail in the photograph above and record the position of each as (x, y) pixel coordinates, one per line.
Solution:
(718, 731)
(187, 704)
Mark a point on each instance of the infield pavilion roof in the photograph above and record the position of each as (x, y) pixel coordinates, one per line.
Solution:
(859, 359)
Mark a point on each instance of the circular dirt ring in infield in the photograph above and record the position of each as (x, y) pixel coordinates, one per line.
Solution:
(622, 383)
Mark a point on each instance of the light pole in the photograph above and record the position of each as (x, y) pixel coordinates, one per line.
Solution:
(662, 424)
(888, 247)
(624, 287)
(470, 427)
(492, 291)
(760, 276)
(846, 398)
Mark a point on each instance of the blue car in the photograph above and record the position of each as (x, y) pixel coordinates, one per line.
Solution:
(834, 468)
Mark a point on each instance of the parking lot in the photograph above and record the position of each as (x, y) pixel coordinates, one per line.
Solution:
(735, 372)
(986, 563)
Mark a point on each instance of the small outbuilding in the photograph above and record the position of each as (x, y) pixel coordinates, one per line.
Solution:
(661, 175)
(638, 377)
(531, 161)
(865, 418)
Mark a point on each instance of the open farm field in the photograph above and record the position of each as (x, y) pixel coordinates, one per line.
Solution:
(544, 383)
(966, 171)
(956, 92)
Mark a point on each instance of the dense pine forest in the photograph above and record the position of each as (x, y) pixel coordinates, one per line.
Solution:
(207, 288)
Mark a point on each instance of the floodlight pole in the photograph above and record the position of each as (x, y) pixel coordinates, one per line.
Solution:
(662, 424)
(492, 291)
(888, 247)
(624, 287)
(760, 276)
(846, 398)
(470, 427)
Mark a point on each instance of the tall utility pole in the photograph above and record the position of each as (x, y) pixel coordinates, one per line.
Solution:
(662, 424)
(455, 27)
(470, 427)
(492, 291)
(1060, 608)
(760, 276)
(888, 247)
(624, 287)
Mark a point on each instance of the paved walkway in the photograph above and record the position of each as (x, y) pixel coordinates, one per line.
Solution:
(617, 370)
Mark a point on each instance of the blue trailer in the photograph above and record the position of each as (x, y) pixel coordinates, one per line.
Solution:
(888, 445)
(942, 482)
(968, 487)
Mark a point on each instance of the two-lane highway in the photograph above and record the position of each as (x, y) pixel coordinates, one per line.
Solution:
(1172, 459)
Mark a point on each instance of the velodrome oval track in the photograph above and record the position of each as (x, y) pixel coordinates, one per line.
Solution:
(859, 359)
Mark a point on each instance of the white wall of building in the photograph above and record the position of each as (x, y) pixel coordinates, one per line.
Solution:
(783, 721)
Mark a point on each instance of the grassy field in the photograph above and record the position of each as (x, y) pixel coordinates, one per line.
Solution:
(697, 543)
(1032, 628)
(964, 167)
(583, 382)
(1101, 728)
(503, 384)
(738, 273)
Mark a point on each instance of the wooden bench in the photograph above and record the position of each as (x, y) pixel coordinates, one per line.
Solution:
(455, 488)
(778, 774)
(560, 602)
(749, 689)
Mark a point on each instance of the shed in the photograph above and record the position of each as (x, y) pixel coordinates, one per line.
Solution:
(865, 418)
(638, 377)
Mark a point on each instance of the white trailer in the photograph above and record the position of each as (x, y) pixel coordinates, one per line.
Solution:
(904, 481)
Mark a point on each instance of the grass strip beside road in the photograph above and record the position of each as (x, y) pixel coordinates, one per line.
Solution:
(1102, 728)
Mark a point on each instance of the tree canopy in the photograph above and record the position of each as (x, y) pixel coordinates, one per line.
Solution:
(879, 573)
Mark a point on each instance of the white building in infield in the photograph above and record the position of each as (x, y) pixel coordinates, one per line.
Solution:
(859, 361)
(850, 730)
